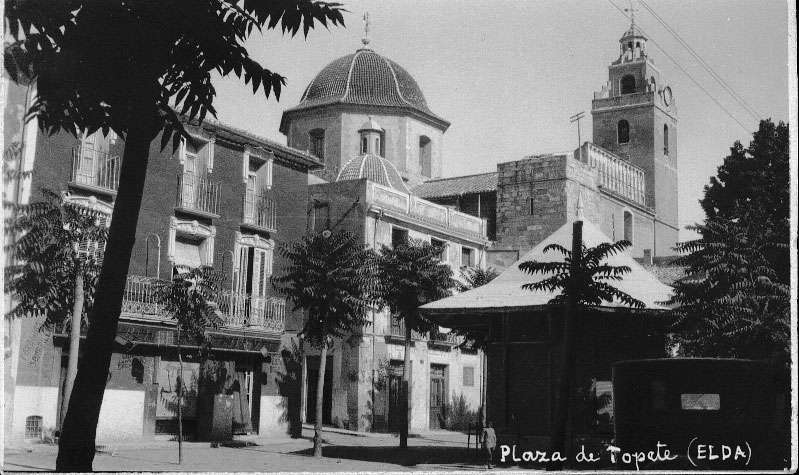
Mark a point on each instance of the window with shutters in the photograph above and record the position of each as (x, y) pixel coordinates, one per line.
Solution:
(253, 267)
(468, 376)
(93, 165)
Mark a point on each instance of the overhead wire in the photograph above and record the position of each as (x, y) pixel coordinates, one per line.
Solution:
(751, 110)
(676, 63)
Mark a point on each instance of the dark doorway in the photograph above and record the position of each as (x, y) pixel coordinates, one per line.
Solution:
(327, 394)
(395, 413)
(438, 396)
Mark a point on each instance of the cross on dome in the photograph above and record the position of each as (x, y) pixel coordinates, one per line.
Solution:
(366, 27)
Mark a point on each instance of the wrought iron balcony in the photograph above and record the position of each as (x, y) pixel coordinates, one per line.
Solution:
(259, 212)
(398, 330)
(266, 314)
(447, 339)
(198, 194)
(95, 169)
(253, 311)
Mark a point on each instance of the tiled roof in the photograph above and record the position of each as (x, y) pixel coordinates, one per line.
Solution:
(365, 78)
(373, 168)
(506, 293)
(456, 186)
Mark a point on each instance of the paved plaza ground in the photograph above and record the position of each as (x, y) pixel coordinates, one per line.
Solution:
(343, 452)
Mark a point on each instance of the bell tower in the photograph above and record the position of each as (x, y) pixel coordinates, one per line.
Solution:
(635, 117)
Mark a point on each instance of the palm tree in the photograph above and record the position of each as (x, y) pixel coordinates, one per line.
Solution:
(134, 67)
(190, 300)
(412, 275)
(731, 302)
(58, 255)
(330, 275)
(582, 280)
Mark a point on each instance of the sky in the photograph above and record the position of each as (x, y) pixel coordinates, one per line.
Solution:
(508, 74)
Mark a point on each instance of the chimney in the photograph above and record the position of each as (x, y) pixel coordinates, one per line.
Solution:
(648, 257)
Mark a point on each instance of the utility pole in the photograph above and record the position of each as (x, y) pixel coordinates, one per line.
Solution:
(576, 118)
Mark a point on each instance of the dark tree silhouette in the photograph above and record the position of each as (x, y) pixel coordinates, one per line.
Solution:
(752, 185)
(124, 65)
(330, 275)
(412, 275)
(58, 258)
(731, 304)
(582, 280)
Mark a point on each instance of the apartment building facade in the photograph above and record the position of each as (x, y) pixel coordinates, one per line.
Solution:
(225, 199)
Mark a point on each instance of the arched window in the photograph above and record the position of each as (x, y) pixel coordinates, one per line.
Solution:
(381, 150)
(628, 226)
(627, 84)
(426, 155)
(378, 144)
(653, 83)
(364, 144)
(317, 143)
(665, 139)
(623, 129)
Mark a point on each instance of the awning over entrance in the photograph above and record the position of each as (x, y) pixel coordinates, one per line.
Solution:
(505, 293)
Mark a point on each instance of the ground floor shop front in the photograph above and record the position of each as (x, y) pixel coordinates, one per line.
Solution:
(238, 384)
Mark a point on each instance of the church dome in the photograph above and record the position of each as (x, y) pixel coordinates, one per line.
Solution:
(373, 168)
(368, 79)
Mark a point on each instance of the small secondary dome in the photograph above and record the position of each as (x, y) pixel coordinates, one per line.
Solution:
(373, 168)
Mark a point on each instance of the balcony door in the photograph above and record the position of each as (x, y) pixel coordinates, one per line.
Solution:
(249, 198)
(93, 152)
(251, 281)
(438, 395)
(189, 175)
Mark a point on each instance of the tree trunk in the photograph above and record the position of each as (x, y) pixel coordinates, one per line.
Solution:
(180, 402)
(74, 343)
(406, 390)
(77, 443)
(320, 387)
(561, 419)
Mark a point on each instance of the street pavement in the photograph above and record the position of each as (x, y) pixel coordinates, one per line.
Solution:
(344, 451)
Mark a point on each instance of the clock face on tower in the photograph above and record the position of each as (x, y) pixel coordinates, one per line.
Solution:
(667, 96)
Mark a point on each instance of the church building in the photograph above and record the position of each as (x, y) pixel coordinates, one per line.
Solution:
(627, 176)
(367, 120)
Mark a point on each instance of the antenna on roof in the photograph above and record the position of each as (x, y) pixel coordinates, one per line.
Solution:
(366, 27)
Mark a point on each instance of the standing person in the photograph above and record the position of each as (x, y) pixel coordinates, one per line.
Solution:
(489, 442)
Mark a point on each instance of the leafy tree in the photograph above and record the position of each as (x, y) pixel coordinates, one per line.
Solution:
(734, 300)
(412, 275)
(58, 257)
(124, 65)
(753, 187)
(583, 281)
(732, 303)
(330, 275)
(190, 300)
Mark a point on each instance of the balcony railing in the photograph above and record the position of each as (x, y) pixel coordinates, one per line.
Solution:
(398, 330)
(252, 311)
(260, 211)
(95, 168)
(449, 339)
(616, 175)
(238, 310)
(198, 193)
(426, 211)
